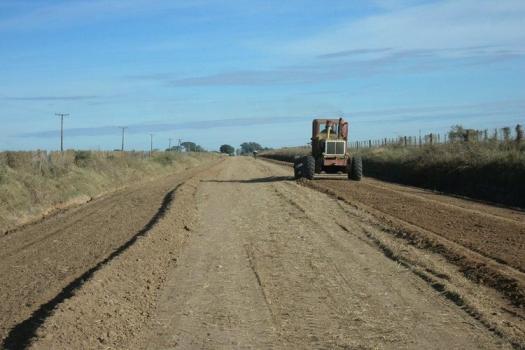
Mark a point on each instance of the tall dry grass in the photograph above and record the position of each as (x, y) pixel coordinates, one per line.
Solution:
(492, 170)
(34, 183)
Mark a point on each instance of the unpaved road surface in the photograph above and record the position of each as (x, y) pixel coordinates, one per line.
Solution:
(265, 263)
(40, 261)
(494, 232)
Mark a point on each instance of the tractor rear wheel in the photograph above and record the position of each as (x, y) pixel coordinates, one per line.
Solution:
(318, 165)
(298, 168)
(355, 171)
(309, 167)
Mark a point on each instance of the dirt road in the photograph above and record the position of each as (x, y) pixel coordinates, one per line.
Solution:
(265, 263)
(42, 261)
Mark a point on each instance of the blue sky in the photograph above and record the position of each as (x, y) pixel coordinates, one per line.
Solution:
(217, 71)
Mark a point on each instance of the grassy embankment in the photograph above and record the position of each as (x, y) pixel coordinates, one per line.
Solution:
(492, 171)
(33, 184)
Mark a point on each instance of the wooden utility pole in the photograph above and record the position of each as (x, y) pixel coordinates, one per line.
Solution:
(151, 145)
(62, 115)
(123, 129)
(169, 144)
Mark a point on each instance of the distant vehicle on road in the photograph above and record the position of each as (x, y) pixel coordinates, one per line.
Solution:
(329, 152)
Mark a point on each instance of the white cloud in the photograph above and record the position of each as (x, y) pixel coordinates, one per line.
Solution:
(451, 24)
(75, 12)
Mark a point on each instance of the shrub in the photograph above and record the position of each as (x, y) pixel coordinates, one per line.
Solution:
(82, 158)
(164, 158)
(228, 149)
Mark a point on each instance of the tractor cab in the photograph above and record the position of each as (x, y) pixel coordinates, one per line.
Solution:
(329, 144)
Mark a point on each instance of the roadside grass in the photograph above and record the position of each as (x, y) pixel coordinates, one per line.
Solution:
(490, 170)
(33, 184)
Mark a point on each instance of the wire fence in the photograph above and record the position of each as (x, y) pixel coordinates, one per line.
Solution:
(457, 134)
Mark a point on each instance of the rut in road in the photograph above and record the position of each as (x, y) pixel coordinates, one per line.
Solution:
(272, 264)
(41, 262)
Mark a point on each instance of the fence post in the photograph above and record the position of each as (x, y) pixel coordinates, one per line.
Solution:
(519, 134)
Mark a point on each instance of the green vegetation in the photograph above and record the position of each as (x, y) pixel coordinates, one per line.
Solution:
(250, 147)
(192, 147)
(33, 183)
(227, 149)
(186, 146)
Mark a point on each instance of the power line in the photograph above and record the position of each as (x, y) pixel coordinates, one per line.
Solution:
(62, 115)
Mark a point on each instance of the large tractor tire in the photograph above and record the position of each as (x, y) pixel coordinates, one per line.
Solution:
(355, 171)
(318, 165)
(298, 168)
(309, 167)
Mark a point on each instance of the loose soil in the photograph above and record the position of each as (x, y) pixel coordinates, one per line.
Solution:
(242, 256)
(39, 261)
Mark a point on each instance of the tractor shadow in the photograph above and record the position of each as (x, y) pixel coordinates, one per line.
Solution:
(255, 180)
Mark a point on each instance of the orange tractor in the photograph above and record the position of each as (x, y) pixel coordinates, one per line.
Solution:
(329, 152)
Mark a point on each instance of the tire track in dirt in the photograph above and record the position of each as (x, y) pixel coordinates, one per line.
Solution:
(325, 287)
(112, 307)
(494, 237)
(41, 262)
(493, 311)
(488, 248)
(23, 333)
(480, 268)
(268, 264)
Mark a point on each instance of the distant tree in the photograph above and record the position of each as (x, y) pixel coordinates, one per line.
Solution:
(189, 146)
(174, 149)
(249, 147)
(456, 133)
(459, 134)
(227, 149)
(472, 135)
(192, 147)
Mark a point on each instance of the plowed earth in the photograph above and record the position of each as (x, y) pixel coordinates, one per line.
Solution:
(242, 256)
